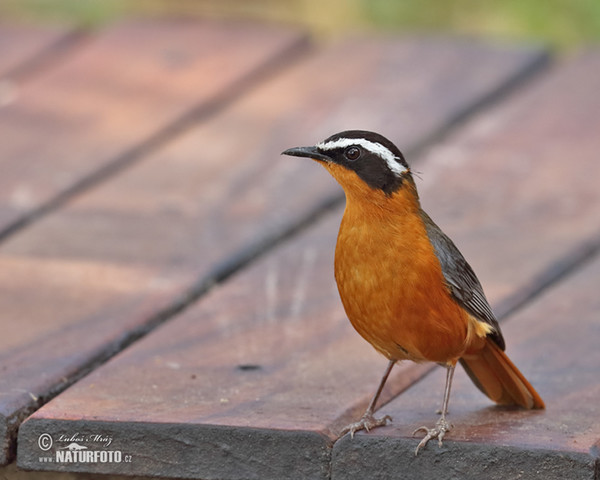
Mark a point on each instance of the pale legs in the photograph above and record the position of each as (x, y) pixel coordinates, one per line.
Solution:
(441, 426)
(368, 421)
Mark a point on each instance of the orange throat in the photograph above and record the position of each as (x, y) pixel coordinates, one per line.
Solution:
(390, 280)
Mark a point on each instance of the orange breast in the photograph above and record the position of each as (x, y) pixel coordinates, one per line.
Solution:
(391, 283)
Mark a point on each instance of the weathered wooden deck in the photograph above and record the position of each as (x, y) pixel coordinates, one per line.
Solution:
(166, 284)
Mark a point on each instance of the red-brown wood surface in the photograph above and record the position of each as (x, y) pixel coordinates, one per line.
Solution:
(270, 355)
(211, 198)
(126, 87)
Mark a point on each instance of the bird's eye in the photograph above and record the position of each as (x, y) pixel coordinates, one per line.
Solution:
(352, 153)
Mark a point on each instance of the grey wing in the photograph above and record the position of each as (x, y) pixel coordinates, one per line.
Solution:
(460, 278)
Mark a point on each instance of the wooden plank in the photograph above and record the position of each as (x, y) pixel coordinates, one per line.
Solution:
(133, 80)
(270, 351)
(211, 200)
(120, 95)
(540, 151)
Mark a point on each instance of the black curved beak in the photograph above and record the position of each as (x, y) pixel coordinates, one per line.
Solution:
(309, 152)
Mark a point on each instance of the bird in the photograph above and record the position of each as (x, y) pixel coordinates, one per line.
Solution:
(403, 283)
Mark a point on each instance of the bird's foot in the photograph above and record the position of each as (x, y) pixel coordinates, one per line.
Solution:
(440, 429)
(367, 422)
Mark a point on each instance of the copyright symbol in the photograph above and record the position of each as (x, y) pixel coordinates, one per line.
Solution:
(45, 442)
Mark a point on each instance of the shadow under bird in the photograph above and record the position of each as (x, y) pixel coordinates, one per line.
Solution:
(405, 286)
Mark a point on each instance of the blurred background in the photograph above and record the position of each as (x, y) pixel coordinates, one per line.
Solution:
(561, 24)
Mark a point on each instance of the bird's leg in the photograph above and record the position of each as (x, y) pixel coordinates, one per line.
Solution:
(441, 426)
(368, 421)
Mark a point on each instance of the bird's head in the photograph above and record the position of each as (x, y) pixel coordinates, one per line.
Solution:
(362, 162)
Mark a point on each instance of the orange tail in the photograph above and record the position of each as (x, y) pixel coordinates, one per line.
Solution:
(496, 376)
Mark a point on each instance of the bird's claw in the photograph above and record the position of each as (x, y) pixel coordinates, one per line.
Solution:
(367, 422)
(440, 429)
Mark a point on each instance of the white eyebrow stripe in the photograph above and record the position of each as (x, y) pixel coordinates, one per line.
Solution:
(383, 152)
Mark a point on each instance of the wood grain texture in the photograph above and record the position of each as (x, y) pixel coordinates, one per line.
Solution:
(129, 85)
(538, 150)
